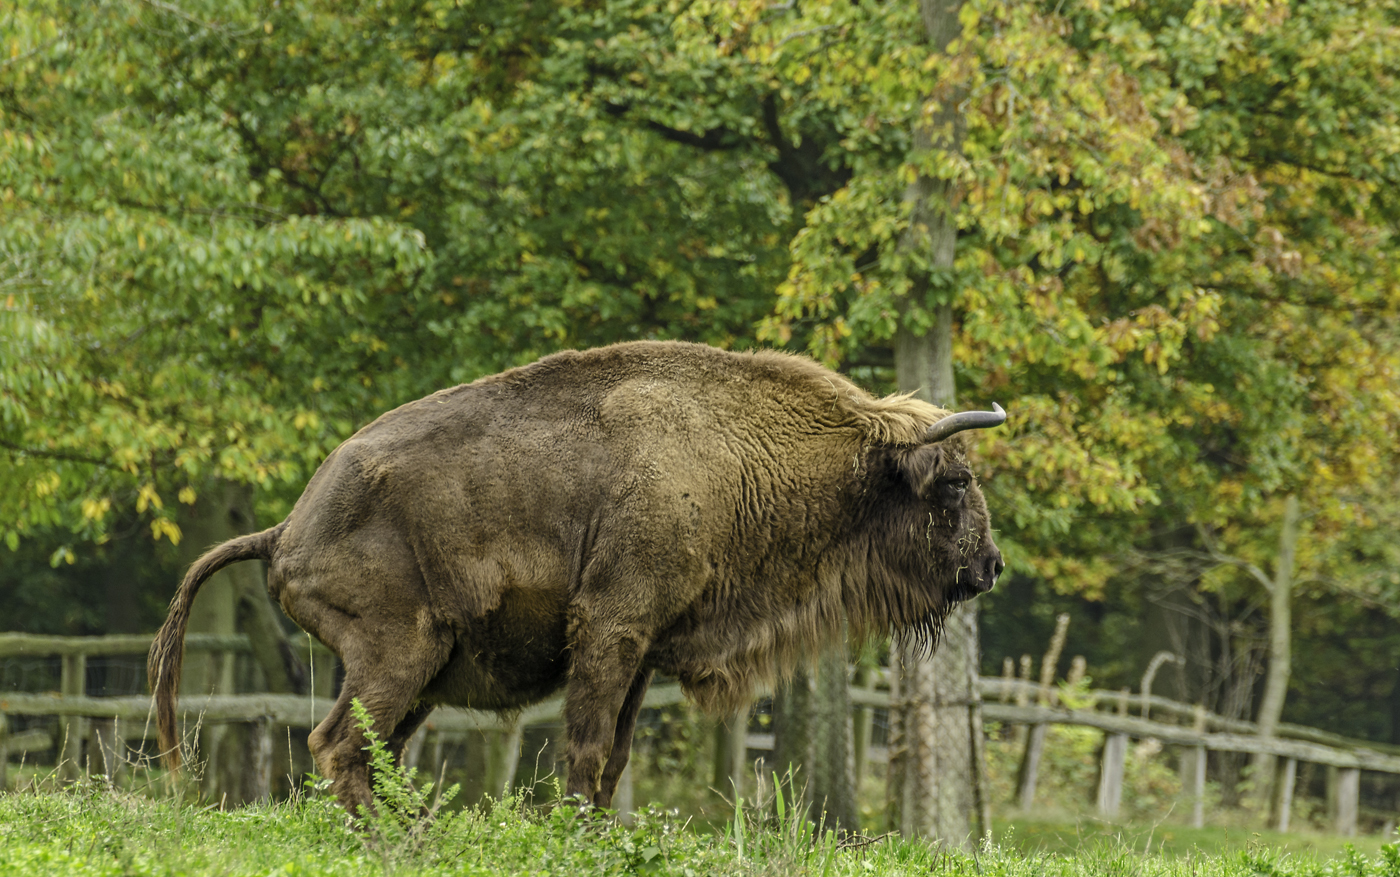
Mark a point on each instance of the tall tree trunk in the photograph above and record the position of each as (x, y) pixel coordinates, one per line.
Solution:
(812, 737)
(1280, 651)
(1280, 623)
(937, 779)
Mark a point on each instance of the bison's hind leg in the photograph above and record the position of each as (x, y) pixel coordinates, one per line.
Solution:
(388, 686)
(361, 594)
(398, 741)
(338, 743)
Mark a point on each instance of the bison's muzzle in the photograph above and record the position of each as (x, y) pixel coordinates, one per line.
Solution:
(988, 568)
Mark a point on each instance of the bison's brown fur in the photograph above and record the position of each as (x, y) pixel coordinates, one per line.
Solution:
(600, 515)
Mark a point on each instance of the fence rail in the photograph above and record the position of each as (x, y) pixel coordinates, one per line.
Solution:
(1035, 706)
(1005, 690)
(41, 645)
(1178, 735)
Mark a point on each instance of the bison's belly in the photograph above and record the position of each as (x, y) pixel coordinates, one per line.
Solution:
(511, 658)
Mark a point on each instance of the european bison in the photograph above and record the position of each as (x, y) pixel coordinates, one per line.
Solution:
(600, 515)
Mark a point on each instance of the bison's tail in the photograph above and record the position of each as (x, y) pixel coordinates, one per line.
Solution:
(168, 649)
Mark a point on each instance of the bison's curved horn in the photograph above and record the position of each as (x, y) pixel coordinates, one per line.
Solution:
(966, 420)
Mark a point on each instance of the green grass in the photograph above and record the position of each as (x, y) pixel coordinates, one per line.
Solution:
(92, 830)
(1030, 836)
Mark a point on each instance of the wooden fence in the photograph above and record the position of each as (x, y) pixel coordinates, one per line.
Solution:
(1007, 701)
(104, 722)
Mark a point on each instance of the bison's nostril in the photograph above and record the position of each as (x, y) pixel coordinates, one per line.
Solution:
(992, 569)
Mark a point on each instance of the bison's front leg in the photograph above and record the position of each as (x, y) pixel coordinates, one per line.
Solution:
(603, 671)
(622, 739)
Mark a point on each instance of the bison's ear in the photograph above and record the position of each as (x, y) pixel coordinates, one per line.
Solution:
(935, 475)
(922, 466)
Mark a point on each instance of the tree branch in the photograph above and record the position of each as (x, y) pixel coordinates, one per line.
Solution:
(20, 450)
(713, 140)
(1354, 592)
(1214, 553)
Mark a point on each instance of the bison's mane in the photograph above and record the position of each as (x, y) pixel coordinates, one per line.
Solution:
(857, 600)
(898, 420)
(862, 589)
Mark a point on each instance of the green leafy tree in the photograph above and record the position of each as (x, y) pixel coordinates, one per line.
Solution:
(237, 231)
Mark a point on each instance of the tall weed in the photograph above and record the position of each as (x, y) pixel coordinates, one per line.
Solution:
(407, 819)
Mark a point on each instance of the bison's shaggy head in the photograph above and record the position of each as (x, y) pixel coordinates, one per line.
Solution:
(955, 516)
(933, 529)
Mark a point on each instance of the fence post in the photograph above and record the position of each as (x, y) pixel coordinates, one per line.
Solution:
(1023, 698)
(434, 746)
(1153, 666)
(623, 799)
(111, 748)
(257, 775)
(1282, 800)
(1193, 782)
(72, 729)
(491, 758)
(1343, 798)
(729, 753)
(1035, 739)
(413, 749)
(1030, 765)
(505, 756)
(1193, 772)
(1115, 751)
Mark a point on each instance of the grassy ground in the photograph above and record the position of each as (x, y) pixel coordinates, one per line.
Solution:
(1030, 836)
(90, 830)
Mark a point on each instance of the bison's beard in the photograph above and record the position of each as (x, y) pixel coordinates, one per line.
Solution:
(926, 631)
(921, 638)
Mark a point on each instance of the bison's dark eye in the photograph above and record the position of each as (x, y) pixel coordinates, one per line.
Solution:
(950, 491)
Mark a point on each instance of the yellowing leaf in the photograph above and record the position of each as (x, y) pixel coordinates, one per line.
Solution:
(147, 497)
(167, 528)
